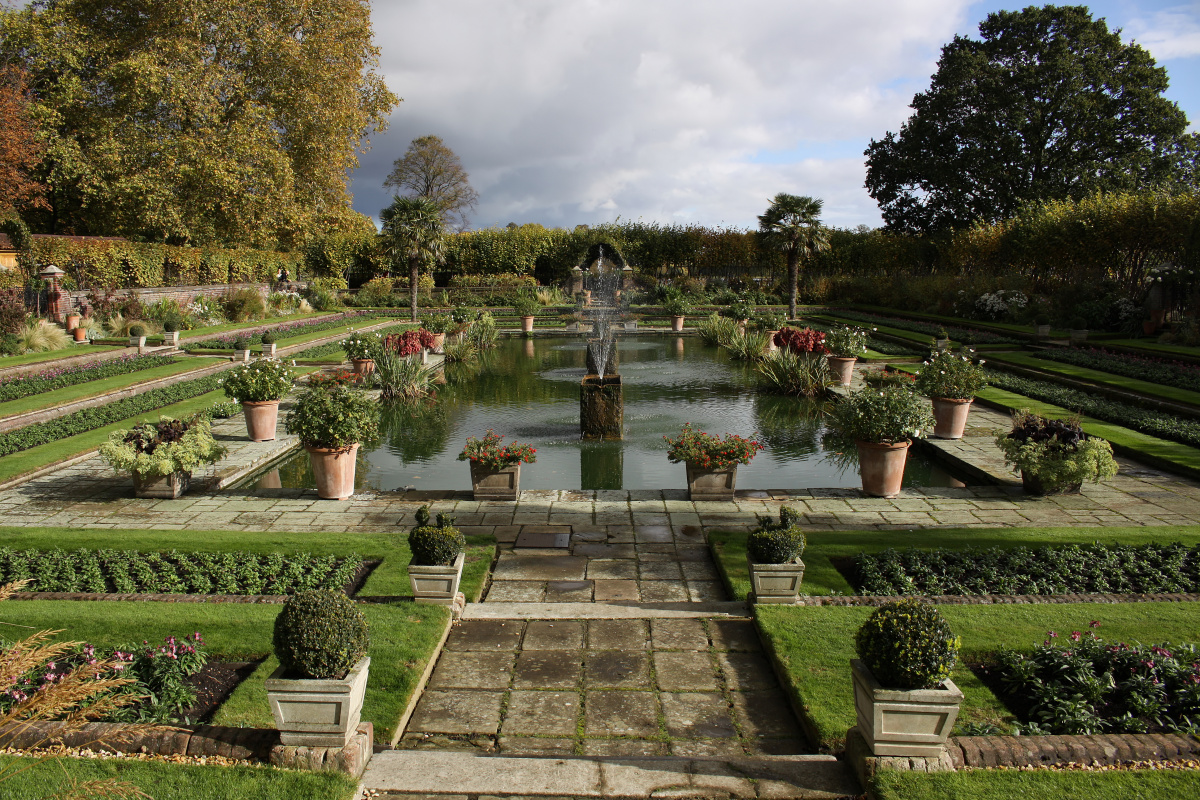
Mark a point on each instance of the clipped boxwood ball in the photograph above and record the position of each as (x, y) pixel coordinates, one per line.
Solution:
(907, 644)
(320, 634)
(434, 546)
(789, 516)
(775, 545)
(137, 330)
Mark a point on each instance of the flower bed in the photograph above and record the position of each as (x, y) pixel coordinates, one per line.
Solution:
(957, 333)
(91, 418)
(59, 378)
(1179, 374)
(173, 572)
(1166, 426)
(1065, 569)
(1078, 684)
(284, 331)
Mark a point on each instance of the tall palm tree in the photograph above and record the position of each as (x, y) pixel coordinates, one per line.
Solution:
(792, 225)
(413, 232)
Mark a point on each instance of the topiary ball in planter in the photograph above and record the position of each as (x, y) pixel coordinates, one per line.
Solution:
(320, 634)
(170, 326)
(137, 330)
(241, 343)
(268, 338)
(435, 546)
(907, 644)
(776, 545)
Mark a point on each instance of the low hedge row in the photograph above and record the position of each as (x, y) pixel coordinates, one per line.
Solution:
(254, 335)
(1162, 425)
(91, 418)
(173, 572)
(1155, 370)
(59, 378)
(958, 334)
(1055, 569)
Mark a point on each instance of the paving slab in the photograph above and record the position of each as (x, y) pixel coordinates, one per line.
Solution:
(553, 635)
(697, 715)
(548, 669)
(685, 672)
(472, 670)
(678, 634)
(621, 713)
(612, 610)
(541, 712)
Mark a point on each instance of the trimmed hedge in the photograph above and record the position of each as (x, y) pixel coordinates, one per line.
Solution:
(50, 379)
(1162, 425)
(91, 418)
(1054, 569)
(285, 331)
(1156, 370)
(173, 572)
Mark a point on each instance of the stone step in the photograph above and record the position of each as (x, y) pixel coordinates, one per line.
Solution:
(613, 610)
(421, 772)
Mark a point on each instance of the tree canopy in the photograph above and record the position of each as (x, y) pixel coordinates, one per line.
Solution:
(19, 150)
(198, 123)
(431, 170)
(1049, 104)
(412, 233)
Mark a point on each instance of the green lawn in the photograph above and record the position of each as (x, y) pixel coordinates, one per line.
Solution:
(1101, 378)
(353, 324)
(37, 779)
(962, 322)
(81, 349)
(215, 330)
(1006, 784)
(81, 391)
(822, 578)
(1155, 349)
(815, 645)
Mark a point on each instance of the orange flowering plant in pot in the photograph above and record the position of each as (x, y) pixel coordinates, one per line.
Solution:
(711, 461)
(496, 467)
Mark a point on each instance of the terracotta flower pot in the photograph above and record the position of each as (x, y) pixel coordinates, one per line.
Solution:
(72, 321)
(881, 467)
(526, 324)
(363, 366)
(677, 323)
(262, 418)
(439, 341)
(333, 470)
(950, 417)
(80, 334)
(843, 368)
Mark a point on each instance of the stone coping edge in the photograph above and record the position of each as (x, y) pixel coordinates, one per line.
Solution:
(240, 744)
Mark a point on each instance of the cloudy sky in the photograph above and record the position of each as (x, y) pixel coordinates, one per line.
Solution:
(683, 111)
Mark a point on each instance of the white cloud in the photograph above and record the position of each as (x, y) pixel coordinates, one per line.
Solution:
(1170, 33)
(668, 110)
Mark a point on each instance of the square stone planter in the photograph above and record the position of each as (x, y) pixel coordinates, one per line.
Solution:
(776, 583)
(504, 484)
(436, 585)
(711, 484)
(171, 338)
(241, 355)
(631, 326)
(318, 713)
(903, 723)
(168, 487)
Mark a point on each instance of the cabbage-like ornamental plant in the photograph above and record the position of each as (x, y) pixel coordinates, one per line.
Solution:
(158, 449)
(1056, 453)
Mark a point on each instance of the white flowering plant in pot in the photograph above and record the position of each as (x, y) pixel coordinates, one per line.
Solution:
(258, 381)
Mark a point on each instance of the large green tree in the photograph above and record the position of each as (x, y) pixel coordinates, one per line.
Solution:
(792, 225)
(413, 234)
(432, 170)
(1047, 104)
(194, 122)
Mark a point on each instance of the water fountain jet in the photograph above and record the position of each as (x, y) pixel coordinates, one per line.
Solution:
(601, 399)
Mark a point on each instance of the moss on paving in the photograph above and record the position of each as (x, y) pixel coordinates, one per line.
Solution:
(36, 779)
(814, 644)
(80, 391)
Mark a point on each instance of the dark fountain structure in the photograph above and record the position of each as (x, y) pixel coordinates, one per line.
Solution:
(601, 401)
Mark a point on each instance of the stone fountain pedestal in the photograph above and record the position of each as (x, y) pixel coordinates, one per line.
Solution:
(601, 407)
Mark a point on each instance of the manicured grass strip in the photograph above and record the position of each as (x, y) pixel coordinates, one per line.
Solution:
(1171, 455)
(1141, 784)
(317, 330)
(96, 388)
(236, 326)
(1156, 348)
(962, 322)
(81, 349)
(821, 577)
(1096, 376)
(815, 644)
(165, 781)
(403, 638)
(388, 579)
(33, 458)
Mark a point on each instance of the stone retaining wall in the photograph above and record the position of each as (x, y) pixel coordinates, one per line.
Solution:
(73, 301)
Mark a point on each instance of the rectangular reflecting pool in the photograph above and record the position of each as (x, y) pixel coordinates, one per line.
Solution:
(528, 390)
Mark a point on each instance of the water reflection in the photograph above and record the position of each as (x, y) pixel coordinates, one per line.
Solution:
(534, 398)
